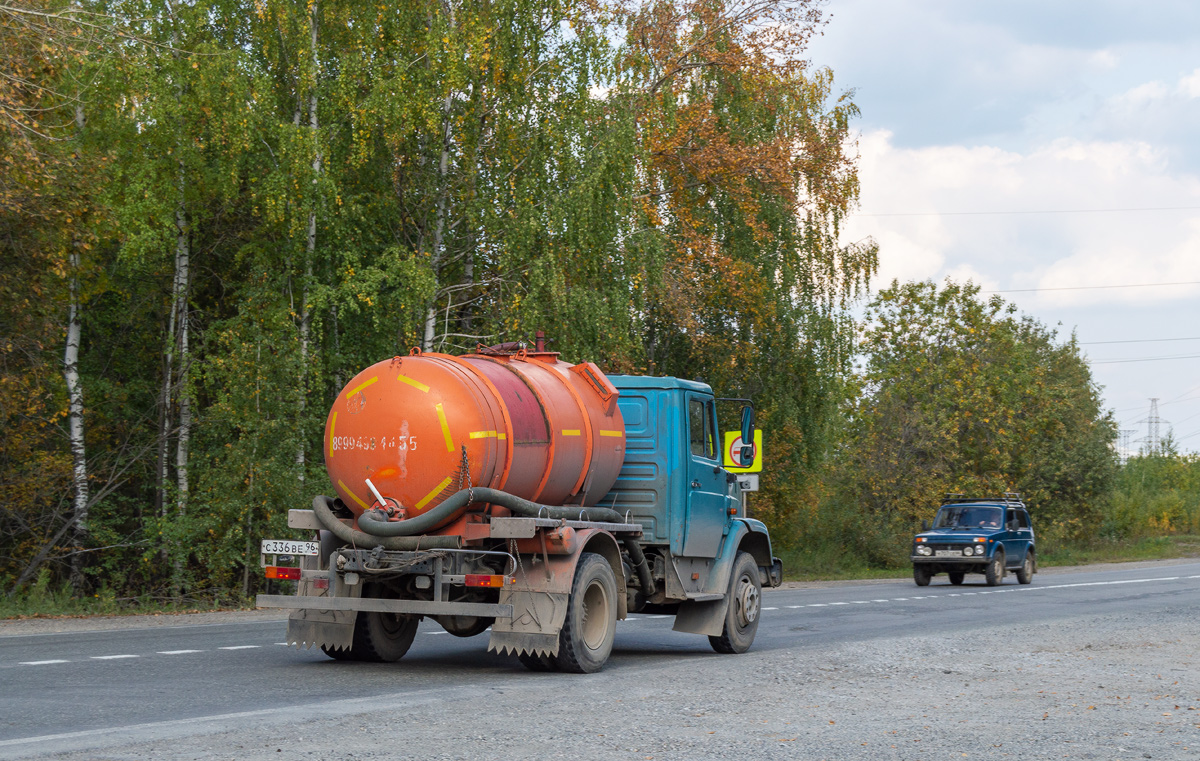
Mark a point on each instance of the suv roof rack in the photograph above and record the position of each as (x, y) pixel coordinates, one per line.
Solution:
(1010, 499)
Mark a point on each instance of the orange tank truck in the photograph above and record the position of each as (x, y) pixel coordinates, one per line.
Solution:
(510, 492)
(422, 427)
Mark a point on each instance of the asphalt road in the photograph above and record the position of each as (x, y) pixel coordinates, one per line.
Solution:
(235, 690)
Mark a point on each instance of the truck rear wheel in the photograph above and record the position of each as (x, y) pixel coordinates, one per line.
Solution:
(383, 637)
(586, 639)
(745, 604)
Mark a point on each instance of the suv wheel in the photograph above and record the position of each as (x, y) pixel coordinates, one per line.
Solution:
(922, 575)
(995, 568)
(1025, 572)
(956, 577)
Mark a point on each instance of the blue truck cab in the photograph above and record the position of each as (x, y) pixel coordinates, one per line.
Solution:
(987, 536)
(709, 560)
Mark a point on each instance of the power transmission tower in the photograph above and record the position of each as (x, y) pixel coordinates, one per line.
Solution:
(1152, 424)
(1126, 442)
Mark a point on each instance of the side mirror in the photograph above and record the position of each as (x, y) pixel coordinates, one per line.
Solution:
(924, 526)
(748, 425)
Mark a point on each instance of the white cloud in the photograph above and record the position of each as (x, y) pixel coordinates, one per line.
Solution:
(1189, 86)
(1051, 248)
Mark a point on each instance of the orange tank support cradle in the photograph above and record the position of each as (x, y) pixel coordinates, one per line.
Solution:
(525, 423)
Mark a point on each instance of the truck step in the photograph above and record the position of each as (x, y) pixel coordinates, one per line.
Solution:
(704, 596)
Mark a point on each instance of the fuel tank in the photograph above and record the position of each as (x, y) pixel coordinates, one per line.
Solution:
(424, 426)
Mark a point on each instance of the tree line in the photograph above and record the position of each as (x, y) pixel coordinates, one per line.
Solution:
(215, 212)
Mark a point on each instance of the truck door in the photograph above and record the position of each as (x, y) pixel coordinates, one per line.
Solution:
(705, 518)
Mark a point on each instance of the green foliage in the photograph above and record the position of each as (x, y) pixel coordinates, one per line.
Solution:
(1156, 494)
(960, 395)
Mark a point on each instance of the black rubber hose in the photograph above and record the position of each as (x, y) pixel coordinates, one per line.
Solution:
(324, 513)
(371, 523)
(634, 548)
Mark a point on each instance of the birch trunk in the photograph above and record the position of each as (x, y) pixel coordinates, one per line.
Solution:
(310, 244)
(182, 279)
(79, 483)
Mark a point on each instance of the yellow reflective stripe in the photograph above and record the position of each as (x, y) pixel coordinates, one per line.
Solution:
(361, 386)
(617, 434)
(445, 426)
(487, 435)
(418, 385)
(352, 494)
(332, 425)
(436, 491)
(570, 432)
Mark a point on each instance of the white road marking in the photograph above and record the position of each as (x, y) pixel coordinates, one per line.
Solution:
(178, 652)
(797, 606)
(41, 663)
(1106, 583)
(437, 632)
(240, 647)
(1022, 588)
(111, 657)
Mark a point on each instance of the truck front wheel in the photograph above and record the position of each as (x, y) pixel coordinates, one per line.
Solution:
(745, 604)
(586, 639)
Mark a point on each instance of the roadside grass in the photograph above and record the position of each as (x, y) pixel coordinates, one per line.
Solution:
(828, 563)
(45, 600)
(1118, 551)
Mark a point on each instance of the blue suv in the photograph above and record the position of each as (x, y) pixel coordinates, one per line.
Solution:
(987, 536)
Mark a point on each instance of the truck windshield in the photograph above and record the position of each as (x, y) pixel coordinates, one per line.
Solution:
(968, 516)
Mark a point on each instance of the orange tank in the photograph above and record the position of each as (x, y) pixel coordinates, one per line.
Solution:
(524, 423)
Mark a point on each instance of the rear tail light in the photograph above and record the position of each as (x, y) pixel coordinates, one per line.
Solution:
(487, 580)
(281, 572)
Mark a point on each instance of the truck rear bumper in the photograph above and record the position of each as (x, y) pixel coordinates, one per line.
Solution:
(419, 607)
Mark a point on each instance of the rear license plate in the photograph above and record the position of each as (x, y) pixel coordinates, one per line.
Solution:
(949, 553)
(289, 547)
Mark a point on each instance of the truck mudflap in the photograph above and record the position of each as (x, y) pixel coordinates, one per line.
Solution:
(540, 595)
(333, 629)
(538, 617)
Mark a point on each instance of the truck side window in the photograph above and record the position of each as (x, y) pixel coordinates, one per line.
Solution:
(1022, 519)
(702, 429)
(697, 426)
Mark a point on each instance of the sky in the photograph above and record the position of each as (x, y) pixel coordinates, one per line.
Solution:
(1046, 150)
